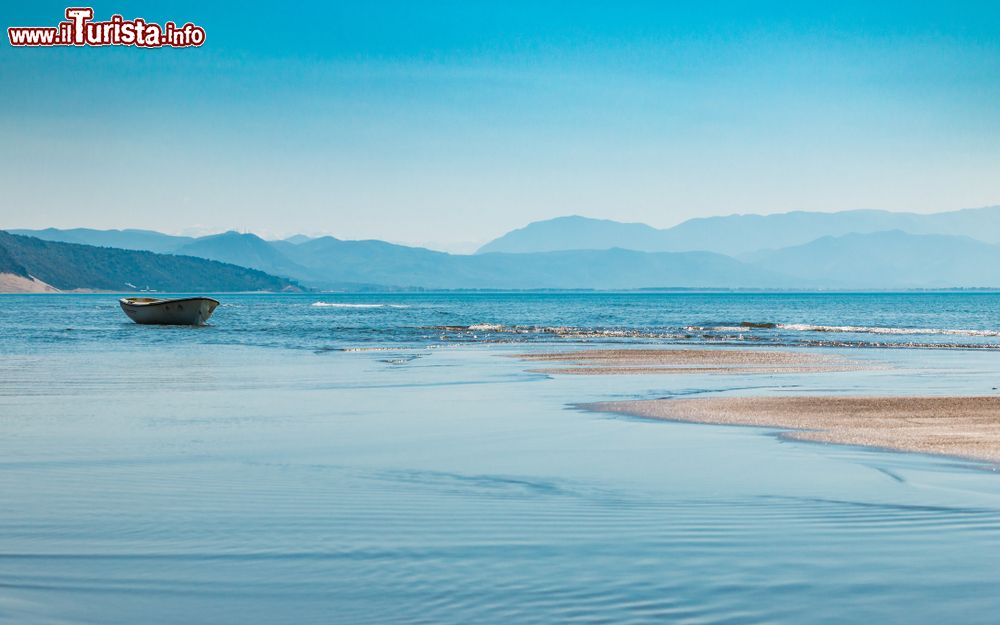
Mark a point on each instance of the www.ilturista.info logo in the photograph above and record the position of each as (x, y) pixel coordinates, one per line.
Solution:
(79, 29)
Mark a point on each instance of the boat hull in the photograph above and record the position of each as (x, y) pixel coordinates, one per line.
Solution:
(188, 311)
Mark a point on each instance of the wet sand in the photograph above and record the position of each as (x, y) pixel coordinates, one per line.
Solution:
(967, 427)
(687, 361)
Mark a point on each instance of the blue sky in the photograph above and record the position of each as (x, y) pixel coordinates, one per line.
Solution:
(451, 122)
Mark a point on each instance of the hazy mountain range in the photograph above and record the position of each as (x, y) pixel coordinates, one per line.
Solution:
(887, 260)
(739, 234)
(852, 249)
(330, 263)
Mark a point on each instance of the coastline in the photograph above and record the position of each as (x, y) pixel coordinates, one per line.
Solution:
(14, 284)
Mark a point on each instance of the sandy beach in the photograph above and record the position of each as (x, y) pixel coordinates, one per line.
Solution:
(967, 427)
(687, 361)
(11, 283)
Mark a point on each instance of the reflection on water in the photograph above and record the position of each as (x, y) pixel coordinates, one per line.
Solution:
(198, 482)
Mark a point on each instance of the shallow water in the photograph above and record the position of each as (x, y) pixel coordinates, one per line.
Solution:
(252, 472)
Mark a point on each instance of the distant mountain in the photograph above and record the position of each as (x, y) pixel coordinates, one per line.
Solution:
(377, 262)
(626, 269)
(247, 250)
(330, 263)
(130, 239)
(148, 240)
(887, 259)
(893, 259)
(740, 234)
(68, 266)
(577, 233)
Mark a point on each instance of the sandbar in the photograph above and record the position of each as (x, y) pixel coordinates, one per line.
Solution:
(967, 427)
(688, 361)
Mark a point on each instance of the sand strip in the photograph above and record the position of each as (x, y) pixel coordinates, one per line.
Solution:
(688, 361)
(12, 283)
(967, 427)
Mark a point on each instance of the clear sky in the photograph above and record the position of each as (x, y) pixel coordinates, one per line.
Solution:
(452, 122)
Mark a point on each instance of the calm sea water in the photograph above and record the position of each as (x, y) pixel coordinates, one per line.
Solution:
(383, 459)
(320, 322)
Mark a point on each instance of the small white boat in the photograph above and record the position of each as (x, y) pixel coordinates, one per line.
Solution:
(187, 311)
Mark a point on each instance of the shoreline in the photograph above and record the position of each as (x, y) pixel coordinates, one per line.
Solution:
(19, 285)
(965, 427)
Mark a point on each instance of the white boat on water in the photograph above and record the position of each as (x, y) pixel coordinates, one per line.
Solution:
(189, 311)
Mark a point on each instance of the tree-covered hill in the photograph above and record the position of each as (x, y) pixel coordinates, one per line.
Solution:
(68, 266)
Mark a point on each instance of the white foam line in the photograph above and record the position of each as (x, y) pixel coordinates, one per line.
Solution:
(803, 327)
(344, 305)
